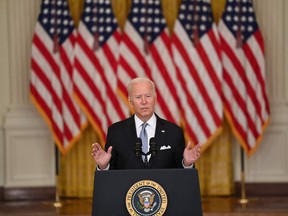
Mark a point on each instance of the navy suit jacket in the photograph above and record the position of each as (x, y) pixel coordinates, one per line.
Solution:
(169, 139)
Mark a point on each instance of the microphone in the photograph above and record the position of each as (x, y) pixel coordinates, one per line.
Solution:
(138, 147)
(153, 146)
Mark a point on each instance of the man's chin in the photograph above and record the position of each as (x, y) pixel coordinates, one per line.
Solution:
(146, 115)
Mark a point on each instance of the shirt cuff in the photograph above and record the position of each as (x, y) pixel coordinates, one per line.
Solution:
(107, 168)
(187, 167)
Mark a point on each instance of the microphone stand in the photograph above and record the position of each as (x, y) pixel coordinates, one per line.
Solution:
(145, 159)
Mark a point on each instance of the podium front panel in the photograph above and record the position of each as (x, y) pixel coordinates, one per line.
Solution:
(181, 187)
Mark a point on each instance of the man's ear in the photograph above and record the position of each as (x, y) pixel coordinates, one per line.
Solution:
(130, 102)
(131, 109)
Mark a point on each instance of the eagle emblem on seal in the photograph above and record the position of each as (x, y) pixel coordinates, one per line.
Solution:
(146, 199)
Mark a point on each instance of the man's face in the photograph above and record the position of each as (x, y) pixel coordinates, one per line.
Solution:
(142, 100)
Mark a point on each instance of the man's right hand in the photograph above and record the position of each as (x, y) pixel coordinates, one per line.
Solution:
(101, 157)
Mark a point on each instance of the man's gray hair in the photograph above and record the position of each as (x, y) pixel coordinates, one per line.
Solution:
(140, 80)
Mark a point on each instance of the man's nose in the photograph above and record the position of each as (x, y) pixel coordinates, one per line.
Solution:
(143, 99)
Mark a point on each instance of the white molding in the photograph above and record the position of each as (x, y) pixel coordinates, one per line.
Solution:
(29, 150)
(29, 158)
(23, 118)
(269, 164)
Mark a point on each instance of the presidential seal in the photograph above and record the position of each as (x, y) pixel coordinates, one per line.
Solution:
(146, 198)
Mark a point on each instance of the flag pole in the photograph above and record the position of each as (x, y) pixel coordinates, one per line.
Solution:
(57, 203)
(243, 199)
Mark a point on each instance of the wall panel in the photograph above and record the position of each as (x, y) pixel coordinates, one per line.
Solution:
(29, 150)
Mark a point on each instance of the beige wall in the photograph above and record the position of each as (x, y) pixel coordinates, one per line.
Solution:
(25, 142)
(26, 146)
(4, 80)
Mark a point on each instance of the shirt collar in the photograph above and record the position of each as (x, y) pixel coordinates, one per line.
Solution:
(151, 122)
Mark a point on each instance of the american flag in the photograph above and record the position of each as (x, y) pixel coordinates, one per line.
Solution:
(96, 58)
(51, 85)
(197, 56)
(145, 51)
(245, 98)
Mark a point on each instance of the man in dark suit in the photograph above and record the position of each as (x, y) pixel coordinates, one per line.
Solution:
(169, 149)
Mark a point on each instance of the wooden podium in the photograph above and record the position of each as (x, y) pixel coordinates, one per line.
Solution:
(169, 192)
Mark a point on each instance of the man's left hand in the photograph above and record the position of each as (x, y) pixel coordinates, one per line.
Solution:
(191, 154)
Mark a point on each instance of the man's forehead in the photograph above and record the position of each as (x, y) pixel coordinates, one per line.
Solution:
(142, 90)
(143, 93)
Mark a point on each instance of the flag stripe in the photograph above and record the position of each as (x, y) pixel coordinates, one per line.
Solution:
(239, 98)
(245, 98)
(51, 81)
(96, 63)
(195, 79)
(197, 56)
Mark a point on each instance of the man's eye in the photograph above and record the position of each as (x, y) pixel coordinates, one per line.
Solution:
(138, 97)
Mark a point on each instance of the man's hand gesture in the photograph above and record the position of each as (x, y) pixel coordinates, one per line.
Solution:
(191, 154)
(101, 157)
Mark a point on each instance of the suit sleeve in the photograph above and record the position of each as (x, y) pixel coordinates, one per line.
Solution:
(180, 146)
(110, 141)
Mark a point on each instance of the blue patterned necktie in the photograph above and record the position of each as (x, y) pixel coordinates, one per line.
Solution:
(144, 138)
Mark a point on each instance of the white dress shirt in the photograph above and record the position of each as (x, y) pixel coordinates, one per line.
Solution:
(150, 128)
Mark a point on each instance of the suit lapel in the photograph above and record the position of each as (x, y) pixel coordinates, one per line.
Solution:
(160, 133)
(131, 128)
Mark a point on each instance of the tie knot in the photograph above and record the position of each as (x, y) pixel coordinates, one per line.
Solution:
(144, 125)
